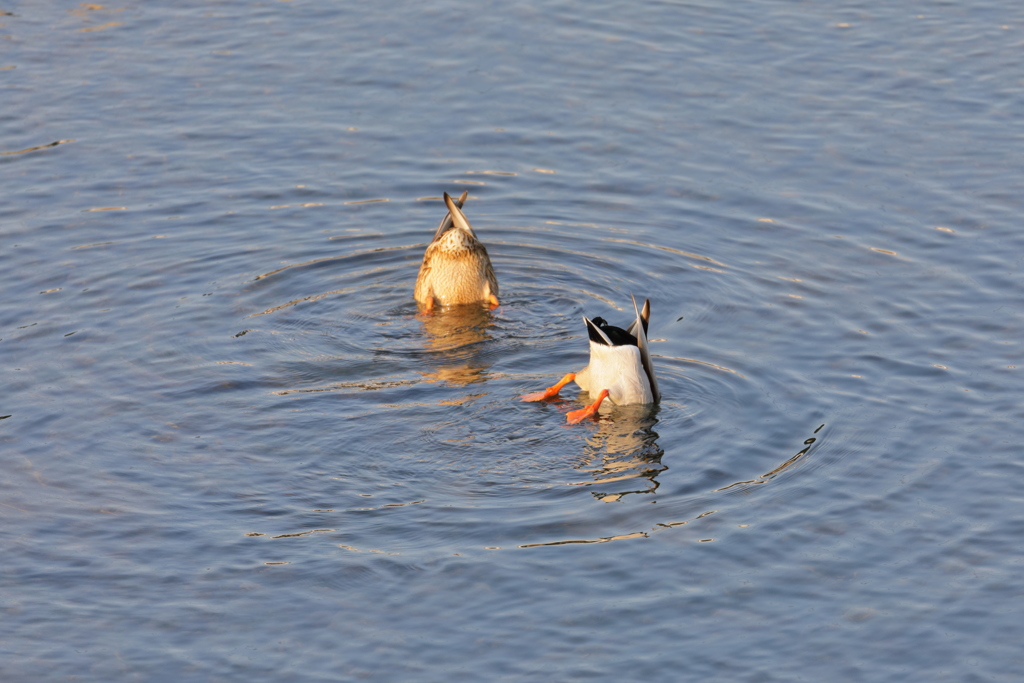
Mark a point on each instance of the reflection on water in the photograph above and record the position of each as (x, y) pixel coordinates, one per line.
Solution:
(261, 364)
(455, 338)
(768, 476)
(623, 455)
(36, 148)
(577, 541)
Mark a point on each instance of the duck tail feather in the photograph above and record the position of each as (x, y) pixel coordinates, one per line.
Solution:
(458, 218)
(644, 317)
(639, 328)
(446, 222)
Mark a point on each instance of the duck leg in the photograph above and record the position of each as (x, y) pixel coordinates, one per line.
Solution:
(552, 390)
(426, 308)
(575, 416)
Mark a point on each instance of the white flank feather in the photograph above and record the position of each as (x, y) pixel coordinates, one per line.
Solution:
(620, 370)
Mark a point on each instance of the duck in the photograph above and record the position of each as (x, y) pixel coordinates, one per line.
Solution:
(620, 368)
(456, 268)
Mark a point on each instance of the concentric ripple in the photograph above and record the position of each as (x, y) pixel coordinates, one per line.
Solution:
(430, 402)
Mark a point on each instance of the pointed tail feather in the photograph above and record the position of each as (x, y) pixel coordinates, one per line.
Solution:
(458, 218)
(645, 317)
(446, 222)
(639, 330)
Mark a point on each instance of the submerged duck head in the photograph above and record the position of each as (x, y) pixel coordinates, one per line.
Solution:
(456, 268)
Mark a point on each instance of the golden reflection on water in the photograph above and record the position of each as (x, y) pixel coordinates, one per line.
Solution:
(454, 336)
(453, 340)
(84, 7)
(623, 449)
(457, 376)
(311, 297)
(37, 147)
(601, 299)
(603, 539)
(89, 246)
(699, 362)
(580, 225)
(101, 27)
(304, 533)
(462, 400)
(359, 550)
(669, 249)
(362, 385)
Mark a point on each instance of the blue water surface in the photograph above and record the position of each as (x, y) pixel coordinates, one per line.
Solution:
(232, 451)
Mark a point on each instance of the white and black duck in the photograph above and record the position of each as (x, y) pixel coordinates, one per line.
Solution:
(620, 368)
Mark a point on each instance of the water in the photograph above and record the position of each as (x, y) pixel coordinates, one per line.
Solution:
(232, 451)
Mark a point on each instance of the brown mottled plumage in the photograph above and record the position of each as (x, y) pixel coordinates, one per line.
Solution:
(456, 268)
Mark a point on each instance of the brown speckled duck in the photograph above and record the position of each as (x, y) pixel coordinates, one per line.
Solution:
(456, 268)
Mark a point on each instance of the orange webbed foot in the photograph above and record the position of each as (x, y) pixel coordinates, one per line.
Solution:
(574, 416)
(426, 308)
(552, 390)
